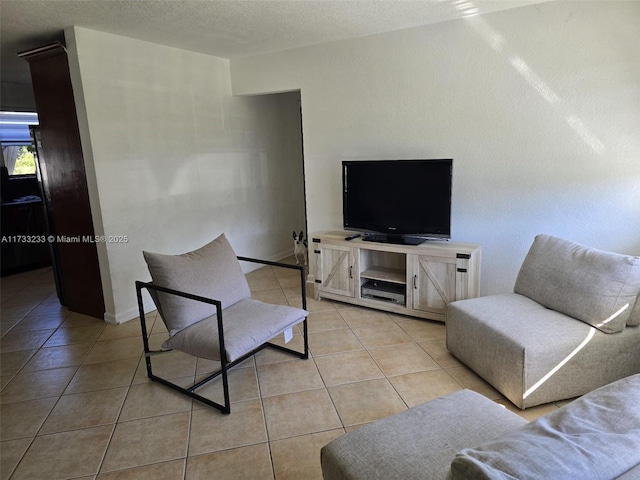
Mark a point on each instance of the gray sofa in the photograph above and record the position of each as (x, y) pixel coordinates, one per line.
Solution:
(464, 435)
(571, 325)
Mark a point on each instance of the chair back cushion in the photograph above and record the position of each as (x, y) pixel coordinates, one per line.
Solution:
(212, 271)
(597, 287)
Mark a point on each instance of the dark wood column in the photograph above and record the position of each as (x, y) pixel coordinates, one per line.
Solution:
(64, 182)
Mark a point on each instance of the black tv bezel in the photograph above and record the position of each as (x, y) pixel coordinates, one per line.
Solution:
(396, 233)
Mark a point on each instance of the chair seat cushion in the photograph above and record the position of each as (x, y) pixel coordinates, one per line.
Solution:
(596, 436)
(247, 325)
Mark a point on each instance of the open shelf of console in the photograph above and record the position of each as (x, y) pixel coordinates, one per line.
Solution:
(415, 280)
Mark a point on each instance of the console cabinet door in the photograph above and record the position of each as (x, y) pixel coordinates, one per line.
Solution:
(433, 283)
(337, 270)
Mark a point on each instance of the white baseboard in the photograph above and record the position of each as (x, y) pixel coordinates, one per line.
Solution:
(127, 315)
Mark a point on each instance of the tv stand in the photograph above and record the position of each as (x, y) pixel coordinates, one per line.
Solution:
(416, 280)
(394, 239)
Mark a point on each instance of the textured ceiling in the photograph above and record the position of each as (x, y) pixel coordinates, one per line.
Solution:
(223, 28)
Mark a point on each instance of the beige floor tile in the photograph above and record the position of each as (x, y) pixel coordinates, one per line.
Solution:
(12, 362)
(128, 329)
(24, 419)
(35, 323)
(260, 272)
(12, 452)
(15, 341)
(299, 413)
(172, 470)
(421, 330)
(417, 388)
(275, 296)
(74, 335)
(34, 385)
(364, 402)
(321, 321)
(82, 410)
(291, 282)
(56, 357)
(469, 379)
(403, 358)
(271, 355)
(243, 386)
(120, 348)
(299, 457)
(15, 311)
(347, 367)
(287, 377)
(7, 324)
(49, 310)
(212, 431)
(244, 463)
(153, 399)
(171, 365)
(313, 305)
(4, 380)
(158, 326)
(333, 341)
(438, 351)
(146, 441)
(361, 317)
(64, 455)
(294, 294)
(380, 335)
(100, 376)
(261, 284)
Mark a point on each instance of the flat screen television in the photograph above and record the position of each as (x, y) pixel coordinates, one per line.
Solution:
(398, 201)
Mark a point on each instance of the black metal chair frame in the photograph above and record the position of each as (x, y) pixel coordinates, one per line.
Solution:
(225, 365)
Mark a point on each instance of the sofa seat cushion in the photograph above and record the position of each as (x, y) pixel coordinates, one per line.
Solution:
(418, 443)
(535, 355)
(248, 324)
(212, 271)
(596, 436)
(597, 287)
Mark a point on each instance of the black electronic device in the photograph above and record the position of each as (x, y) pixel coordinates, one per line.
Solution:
(385, 291)
(398, 201)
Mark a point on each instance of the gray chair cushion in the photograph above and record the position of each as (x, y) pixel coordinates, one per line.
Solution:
(596, 436)
(212, 271)
(599, 288)
(247, 325)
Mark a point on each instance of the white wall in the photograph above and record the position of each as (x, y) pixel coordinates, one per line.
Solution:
(539, 107)
(174, 160)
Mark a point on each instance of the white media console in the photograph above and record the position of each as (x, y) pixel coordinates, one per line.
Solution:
(416, 280)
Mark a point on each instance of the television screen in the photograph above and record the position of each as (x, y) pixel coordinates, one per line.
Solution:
(398, 198)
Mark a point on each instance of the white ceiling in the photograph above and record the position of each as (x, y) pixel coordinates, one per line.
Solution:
(223, 28)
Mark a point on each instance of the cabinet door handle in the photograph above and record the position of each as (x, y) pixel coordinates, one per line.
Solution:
(351, 271)
(415, 282)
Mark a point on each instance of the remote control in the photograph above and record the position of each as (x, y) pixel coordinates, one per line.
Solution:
(351, 237)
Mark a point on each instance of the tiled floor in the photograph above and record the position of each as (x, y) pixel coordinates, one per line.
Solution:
(76, 403)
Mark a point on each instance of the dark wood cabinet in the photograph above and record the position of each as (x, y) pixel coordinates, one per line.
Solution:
(64, 182)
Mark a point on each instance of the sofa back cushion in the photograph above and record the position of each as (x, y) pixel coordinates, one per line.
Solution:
(596, 436)
(212, 271)
(597, 287)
